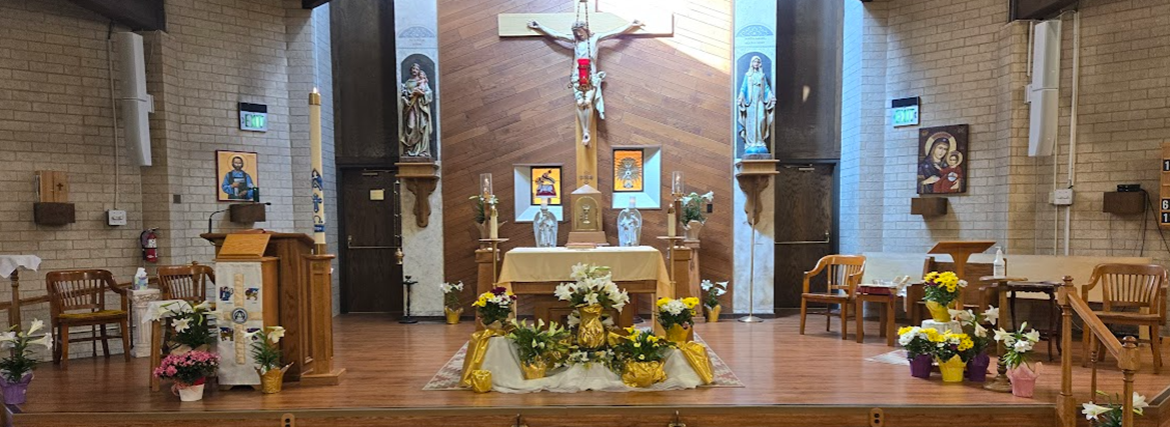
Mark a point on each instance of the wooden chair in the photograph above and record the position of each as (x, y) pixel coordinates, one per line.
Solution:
(186, 282)
(843, 275)
(1131, 295)
(85, 291)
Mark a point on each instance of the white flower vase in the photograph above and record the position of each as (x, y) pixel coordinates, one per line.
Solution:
(192, 393)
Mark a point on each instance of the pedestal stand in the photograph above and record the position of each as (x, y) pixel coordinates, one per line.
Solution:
(751, 317)
(409, 283)
(753, 176)
(141, 298)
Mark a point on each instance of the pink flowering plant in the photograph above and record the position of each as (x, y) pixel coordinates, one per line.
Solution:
(187, 369)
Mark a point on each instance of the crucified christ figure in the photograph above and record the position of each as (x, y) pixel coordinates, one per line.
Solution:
(586, 81)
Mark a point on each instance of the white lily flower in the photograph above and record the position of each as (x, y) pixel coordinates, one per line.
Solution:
(579, 271)
(1022, 346)
(706, 285)
(1002, 335)
(45, 340)
(182, 325)
(275, 333)
(1033, 336)
(163, 312)
(36, 325)
(1139, 403)
(992, 315)
(1092, 411)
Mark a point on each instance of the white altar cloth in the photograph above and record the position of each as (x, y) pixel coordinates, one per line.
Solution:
(503, 360)
(9, 263)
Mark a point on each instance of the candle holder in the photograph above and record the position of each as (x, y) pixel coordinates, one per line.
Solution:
(409, 283)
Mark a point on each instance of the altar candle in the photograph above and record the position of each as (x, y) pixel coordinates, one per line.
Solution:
(670, 221)
(544, 202)
(494, 230)
(316, 176)
(485, 185)
(676, 185)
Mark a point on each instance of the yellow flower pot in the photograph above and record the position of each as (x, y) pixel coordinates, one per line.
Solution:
(677, 334)
(713, 313)
(938, 312)
(952, 370)
(453, 315)
(534, 370)
(272, 380)
(643, 374)
(590, 333)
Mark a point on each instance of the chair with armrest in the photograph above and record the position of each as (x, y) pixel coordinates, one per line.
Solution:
(1131, 294)
(186, 282)
(78, 298)
(842, 277)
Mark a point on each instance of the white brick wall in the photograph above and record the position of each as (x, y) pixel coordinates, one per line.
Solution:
(55, 115)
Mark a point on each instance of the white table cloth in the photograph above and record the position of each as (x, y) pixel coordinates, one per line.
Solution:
(9, 263)
(503, 360)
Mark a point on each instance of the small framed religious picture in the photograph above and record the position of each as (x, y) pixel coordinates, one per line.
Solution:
(627, 170)
(942, 165)
(546, 184)
(236, 175)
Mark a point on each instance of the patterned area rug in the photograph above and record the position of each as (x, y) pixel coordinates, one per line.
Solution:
(448, 376)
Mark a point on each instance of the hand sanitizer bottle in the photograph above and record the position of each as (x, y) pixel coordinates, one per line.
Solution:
(999, 266)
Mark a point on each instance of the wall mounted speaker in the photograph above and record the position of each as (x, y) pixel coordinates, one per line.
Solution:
(1044, 88)
(133, 100)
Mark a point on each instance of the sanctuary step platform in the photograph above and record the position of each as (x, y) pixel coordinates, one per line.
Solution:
(789, 380)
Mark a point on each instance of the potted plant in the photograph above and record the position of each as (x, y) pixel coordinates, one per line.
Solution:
(189, 323)
(539, 348)
(16, 370)
(481, 217)
(495, 307)
(639, 357)
(266, 352)
(692, 213)
(592, 292)
(713, 291)
(451, 304)
(677, 317)
(948, 350)
(919, 349)
(1017, 347)
(976, 356)
(189, 371)
(1109, 415)
(942, 289)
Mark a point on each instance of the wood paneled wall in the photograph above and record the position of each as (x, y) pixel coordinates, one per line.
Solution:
(506, 102)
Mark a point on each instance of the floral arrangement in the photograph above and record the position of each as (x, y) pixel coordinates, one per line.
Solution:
(942, 288)
(949, 345)
(973, 327)
(189, 322)
(21, 361)
(677, 311)
(917, 341)
(479, 208)
(593, 287)
(495, 305)
(639, 346)
(536, 344)
(188, 369)
(451, 294)
(692, 206)
(265, 349)
(713, 291)
(580, 356)
(1109, 415)
(1017, 345)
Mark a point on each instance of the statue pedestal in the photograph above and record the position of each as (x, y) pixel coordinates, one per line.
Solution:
(943, 328)
(141, 298)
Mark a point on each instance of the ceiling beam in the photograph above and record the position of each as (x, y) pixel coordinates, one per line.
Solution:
(310, 4)
(139, 15)
(1038, 9)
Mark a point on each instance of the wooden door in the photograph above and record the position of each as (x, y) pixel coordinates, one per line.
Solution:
(806, 226)
(371, 279)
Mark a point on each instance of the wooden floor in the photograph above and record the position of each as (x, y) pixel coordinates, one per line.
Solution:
(816, 379)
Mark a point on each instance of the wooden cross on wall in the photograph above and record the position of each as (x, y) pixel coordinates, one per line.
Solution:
(657, 24)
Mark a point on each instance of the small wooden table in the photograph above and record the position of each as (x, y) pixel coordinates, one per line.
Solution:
(882, 295)
(1012, 285)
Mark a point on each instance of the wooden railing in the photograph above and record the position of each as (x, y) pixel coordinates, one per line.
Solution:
(1125, 351)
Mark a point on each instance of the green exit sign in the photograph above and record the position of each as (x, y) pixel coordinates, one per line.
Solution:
(905, 111)
(253, 117)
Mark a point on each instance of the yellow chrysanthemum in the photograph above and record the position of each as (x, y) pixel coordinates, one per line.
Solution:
(662, 301)
(932, 335)
(951, 287)
(930, 276)
(691, 302)
(905, 329)
(965, 344)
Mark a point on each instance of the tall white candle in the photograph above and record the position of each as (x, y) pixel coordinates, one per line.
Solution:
(316, 174)
(671, 221)
(494, 231)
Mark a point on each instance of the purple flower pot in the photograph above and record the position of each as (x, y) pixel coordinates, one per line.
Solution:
(920, 366)
(977, 368)
(14, 393)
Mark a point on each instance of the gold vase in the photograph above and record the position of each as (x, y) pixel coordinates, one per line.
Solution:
(713, 313)
(272, 380)
(534, 370)
(590, 333)
(677, 334)
(453, 315)
(938, 312)
(643, 374)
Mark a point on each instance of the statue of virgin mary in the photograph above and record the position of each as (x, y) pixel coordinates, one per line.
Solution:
(757, 108)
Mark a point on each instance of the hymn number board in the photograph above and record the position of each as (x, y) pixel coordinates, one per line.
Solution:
(1164, 188)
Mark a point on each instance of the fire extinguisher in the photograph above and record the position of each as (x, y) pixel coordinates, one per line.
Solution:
(149, 242)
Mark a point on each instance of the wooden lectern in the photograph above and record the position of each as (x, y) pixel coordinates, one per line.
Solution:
(960, 251)
(304, 304)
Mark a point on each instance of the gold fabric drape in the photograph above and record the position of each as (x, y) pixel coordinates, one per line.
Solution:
(476, 349)
(696, 355)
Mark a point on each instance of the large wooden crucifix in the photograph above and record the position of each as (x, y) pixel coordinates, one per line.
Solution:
(583, 29)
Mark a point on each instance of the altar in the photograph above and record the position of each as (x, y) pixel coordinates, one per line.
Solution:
(639, 270)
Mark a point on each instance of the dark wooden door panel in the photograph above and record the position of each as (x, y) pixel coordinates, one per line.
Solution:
(808, 83)
(372, 278)
(805, 227)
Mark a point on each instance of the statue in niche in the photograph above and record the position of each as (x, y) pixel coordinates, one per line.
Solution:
(585, 80)
(415, 131)
(544, 226)
(756, 104)
(629, 225)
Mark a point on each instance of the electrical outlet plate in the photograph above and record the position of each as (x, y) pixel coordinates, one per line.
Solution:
(115, 217)
(1062, 197)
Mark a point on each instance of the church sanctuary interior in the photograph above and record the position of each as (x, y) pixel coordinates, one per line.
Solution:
(584, 213)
